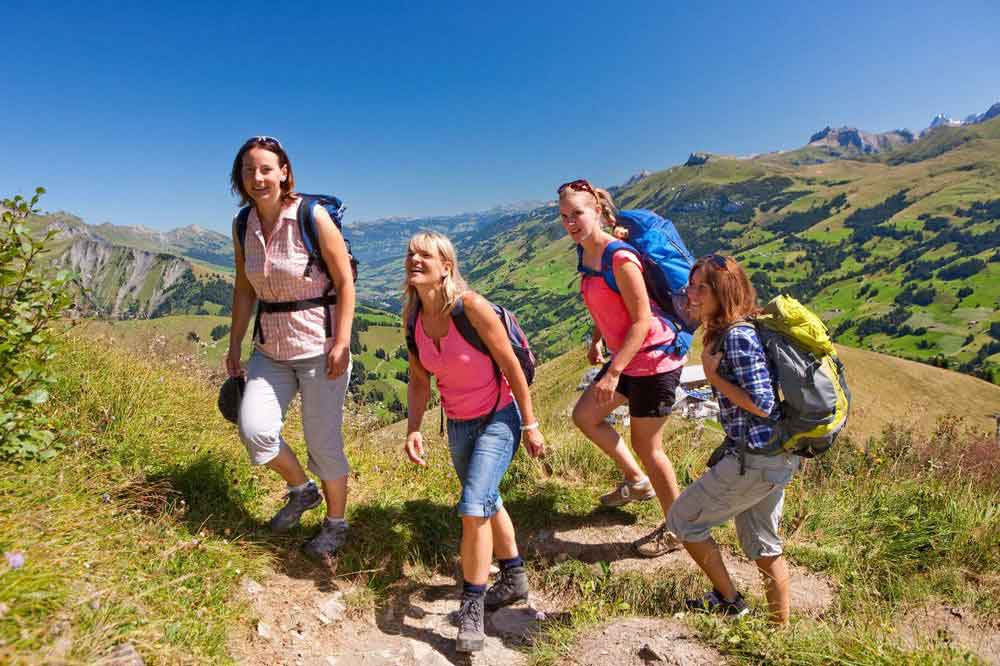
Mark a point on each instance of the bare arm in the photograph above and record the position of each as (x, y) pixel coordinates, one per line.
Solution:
(244, 299)
(418, 392)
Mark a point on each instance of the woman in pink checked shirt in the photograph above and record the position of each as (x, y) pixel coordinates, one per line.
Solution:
(301, 340)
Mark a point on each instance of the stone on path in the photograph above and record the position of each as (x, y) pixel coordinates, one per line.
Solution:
(124, 654)
(642, 642)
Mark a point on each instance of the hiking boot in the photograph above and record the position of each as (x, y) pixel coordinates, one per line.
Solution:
(329, 540)
(471, 634)
(299, 501)
(510, 587)
(713, 602)
(629, 492)
(658, 542)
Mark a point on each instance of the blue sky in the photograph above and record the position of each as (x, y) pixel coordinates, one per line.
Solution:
(132, 116)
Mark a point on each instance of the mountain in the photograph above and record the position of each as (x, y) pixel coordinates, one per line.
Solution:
(941, 120)
(896, 250)
(852, 141)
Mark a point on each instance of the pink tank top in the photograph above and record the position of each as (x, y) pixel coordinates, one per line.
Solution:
(465, 375)
(611, 316)
(275, 270)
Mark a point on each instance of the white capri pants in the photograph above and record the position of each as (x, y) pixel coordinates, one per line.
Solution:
(271, 385)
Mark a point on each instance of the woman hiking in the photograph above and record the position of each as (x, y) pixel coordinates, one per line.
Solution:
(639, 373)
(301, 338)
(485, 397)
(744, 481)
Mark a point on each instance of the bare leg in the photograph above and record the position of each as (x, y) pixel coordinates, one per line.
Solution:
(287, 465)
(774, 571)
(708, 557)
(476, 549)
(504, 542)
(336, 496)
(589, 417)
(647, 440)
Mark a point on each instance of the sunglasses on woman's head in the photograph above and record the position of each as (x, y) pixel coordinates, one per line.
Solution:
(262, 139)
(578, 185)
(717, 260)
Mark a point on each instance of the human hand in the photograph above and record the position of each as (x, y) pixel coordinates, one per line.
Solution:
(414, 448)
(596, 353)
(534, 443)
(233, 366)
(710, 362)
(337, 361)
(604, 390)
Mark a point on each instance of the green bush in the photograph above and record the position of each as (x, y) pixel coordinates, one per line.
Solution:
(30, 300)
(220, 331)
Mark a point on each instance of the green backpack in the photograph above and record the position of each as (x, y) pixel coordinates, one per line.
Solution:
(810, 382)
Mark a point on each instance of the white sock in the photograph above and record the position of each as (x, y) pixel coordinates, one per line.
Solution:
(639, 482)
(334, 522)
(299, 489)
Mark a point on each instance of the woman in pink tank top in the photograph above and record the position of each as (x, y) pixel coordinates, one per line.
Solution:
(479, 392)
(301, 340)
(639, 373)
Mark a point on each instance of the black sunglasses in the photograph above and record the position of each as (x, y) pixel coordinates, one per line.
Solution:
(717, 260)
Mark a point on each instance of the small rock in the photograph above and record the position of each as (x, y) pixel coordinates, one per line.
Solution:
(105, 498)
(4, 609)
(124, 654)
(95, 604)
(333, 608)
(297, 634)
(323, 619)
(264, 631)
(330, 661)
(252, 587)
(649, 654)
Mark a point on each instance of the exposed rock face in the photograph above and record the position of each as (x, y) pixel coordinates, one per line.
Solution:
(635, 178)
(855, 140)
(122, 281)
(697, 159)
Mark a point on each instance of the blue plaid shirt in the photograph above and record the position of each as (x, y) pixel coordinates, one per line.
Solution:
(745, 365)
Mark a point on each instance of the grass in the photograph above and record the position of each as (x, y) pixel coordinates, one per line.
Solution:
(143, 528)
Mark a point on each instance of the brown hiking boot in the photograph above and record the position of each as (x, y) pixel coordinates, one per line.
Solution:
(629, 492)
(658, 542)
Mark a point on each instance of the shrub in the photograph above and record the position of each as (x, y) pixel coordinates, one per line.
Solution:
(220, 331)
(30, 301)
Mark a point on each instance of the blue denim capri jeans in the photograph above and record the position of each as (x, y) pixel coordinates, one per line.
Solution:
(481, 456)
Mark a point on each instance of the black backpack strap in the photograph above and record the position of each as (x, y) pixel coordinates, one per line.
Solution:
(471, 335)
(411, 331)
(241, 227)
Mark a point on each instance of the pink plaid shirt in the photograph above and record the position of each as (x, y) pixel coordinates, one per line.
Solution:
(275, 270)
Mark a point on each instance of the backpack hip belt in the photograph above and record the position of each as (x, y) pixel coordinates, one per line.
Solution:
(268, 307)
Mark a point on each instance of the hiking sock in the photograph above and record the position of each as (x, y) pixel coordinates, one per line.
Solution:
(470, 591)
(515, 561)
(335, 522)
(299, 488)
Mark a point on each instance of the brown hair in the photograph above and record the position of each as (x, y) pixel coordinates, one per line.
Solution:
(733, 291)
(236, 175)
(453, 285)
(605, 204)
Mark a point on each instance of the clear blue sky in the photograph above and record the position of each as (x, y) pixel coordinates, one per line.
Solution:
(133, 115)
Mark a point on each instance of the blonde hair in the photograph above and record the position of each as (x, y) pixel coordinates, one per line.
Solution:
(605, 203)
(453, 285)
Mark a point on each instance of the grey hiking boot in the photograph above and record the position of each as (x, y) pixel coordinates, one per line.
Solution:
(471, 634)
(510, 587)
(331, 537)
(629, 492)
(658, 542)
(298, 503)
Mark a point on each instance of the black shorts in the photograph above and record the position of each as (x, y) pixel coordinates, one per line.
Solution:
(650, 396)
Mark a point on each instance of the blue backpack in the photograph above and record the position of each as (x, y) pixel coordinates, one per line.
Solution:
(310, 239)
(666, 266)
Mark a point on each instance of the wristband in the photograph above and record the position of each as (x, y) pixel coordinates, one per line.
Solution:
(530, 426)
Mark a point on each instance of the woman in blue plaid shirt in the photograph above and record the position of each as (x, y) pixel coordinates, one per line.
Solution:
(746, 480)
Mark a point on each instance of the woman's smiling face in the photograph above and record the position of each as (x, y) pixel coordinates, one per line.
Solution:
(579, 214)
(263, 175)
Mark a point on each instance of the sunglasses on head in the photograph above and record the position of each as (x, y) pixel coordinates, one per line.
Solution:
(716, 260)
(262, 139)
(578, 185)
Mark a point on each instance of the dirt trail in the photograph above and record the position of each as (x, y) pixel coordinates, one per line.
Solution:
(931, 624)
(811, 593)
(643, 641)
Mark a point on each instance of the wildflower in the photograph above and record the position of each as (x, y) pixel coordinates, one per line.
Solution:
(15, 559)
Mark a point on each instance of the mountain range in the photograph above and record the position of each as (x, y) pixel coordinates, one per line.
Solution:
(892, 237)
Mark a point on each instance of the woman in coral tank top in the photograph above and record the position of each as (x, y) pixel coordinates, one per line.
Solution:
(640, 373)
(485, 409)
